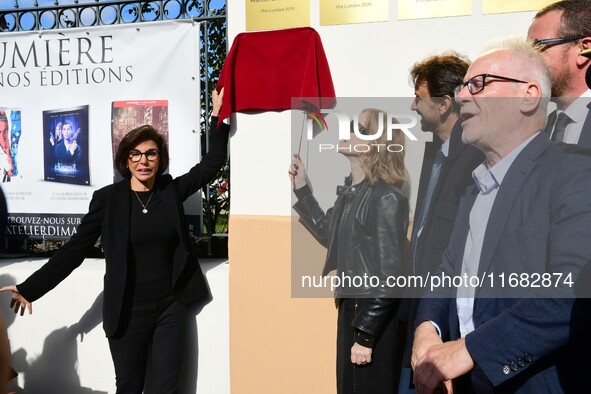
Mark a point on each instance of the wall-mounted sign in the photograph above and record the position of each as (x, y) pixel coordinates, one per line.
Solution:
(423, 9)
(500, 6)
(340, 12)
(277, 14)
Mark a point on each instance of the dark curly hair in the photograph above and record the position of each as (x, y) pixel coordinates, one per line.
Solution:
(131, 140)
(442, 73)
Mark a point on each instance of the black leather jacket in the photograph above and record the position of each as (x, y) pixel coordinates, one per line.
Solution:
(365, 234)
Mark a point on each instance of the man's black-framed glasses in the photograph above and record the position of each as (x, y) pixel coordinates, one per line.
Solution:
(477, 83)
(136, 155)
(545, 43)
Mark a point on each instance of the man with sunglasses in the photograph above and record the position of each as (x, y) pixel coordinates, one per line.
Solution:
(561, 31)
(445, 174)
(522, 216)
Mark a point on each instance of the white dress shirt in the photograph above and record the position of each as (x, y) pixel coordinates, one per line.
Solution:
(488, 181)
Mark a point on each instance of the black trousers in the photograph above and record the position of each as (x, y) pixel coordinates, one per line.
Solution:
(381, 376)
(159, 326)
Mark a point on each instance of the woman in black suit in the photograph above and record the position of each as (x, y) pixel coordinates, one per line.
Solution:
(150, 272)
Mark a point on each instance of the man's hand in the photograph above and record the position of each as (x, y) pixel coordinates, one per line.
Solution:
(73, 147)
(440, 364)
(425, 336)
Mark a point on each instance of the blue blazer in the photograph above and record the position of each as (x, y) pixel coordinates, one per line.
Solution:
(539, 222)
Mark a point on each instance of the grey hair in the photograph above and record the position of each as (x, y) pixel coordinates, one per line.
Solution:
(537, 67)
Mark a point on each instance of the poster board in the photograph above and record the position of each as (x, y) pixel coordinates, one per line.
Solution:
(76, 75)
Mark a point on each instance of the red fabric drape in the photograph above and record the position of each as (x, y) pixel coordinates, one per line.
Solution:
(264, 70)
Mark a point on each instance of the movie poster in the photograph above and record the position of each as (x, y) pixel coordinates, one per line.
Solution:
(10, 134)
(127, 115)
(65, 142)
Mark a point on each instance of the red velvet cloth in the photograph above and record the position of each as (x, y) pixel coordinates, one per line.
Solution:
(264, 70)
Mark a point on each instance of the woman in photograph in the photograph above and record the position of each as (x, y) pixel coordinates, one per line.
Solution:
(365, 234)
(151, 273)
(55, 140)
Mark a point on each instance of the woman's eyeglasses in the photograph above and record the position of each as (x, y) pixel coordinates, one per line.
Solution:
(136, 155)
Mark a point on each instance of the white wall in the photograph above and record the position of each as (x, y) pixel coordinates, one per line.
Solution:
(52, 357)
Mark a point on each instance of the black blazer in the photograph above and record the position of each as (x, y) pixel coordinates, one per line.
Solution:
(455, 177)
(109, 218)
(584, 138)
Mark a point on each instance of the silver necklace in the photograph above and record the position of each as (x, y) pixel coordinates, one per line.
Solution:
(145, 206)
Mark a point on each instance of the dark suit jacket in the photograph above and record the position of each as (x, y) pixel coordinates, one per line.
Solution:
(455, 177)
(585, 137)
(62, 155)
(539, 222)
(108, 217)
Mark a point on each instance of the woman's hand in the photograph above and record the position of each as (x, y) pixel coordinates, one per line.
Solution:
(297, 172)
(18, 301)
(360, 355)
(216, 101)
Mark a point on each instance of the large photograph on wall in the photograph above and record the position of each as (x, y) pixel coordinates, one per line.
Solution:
(69, 99)
(66, 145)
(10, 133)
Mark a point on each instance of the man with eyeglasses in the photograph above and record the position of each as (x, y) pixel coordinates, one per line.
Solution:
(561, 31)
(528, 212)
(445, 174)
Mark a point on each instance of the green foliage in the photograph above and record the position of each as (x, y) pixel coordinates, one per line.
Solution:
(218, 193)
